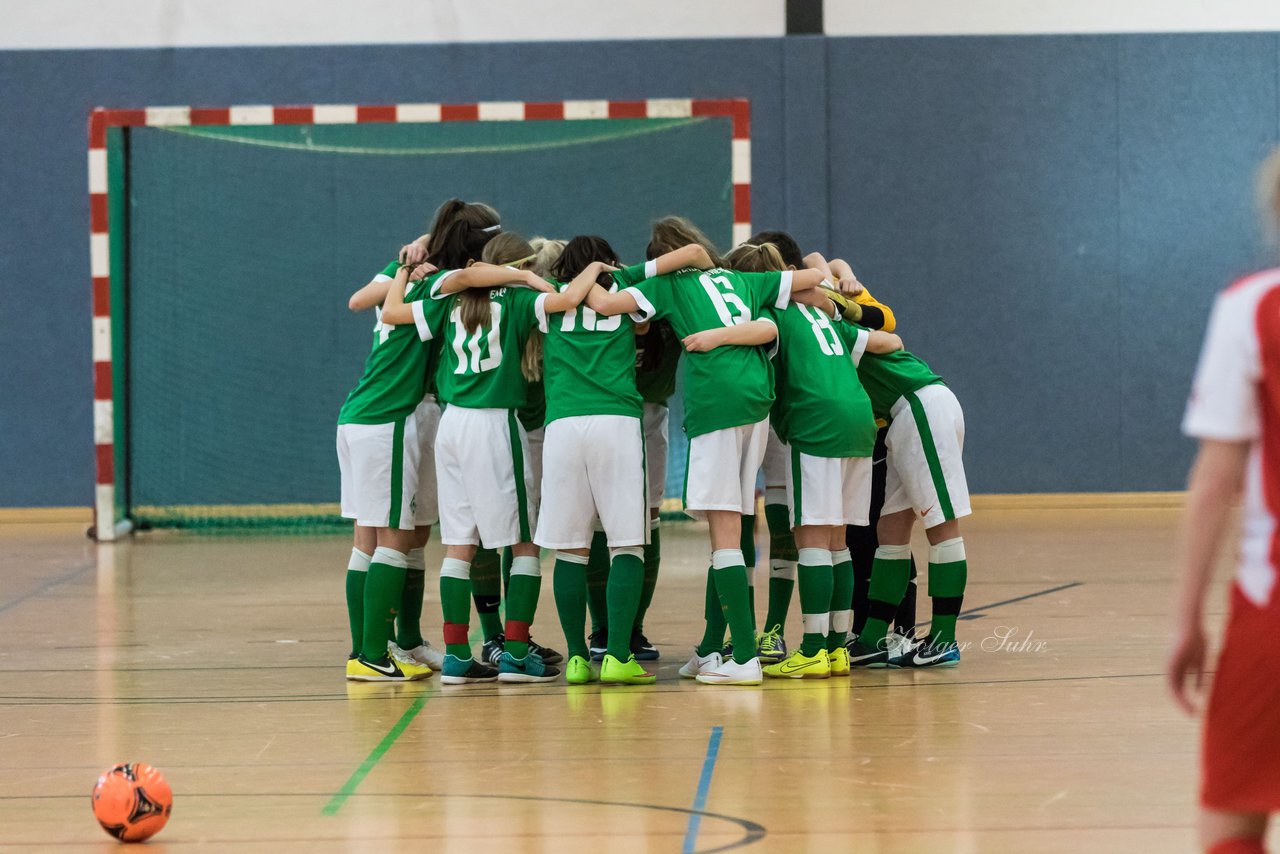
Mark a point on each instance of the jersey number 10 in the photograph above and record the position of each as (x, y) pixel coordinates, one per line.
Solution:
(479, 351)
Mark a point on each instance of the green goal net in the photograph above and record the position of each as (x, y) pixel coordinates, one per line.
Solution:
(236, 249)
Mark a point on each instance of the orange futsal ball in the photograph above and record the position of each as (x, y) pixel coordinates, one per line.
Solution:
(132, 802)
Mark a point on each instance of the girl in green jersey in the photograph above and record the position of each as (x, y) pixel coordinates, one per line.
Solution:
(385, 437)
(728, 393)
(481, 449)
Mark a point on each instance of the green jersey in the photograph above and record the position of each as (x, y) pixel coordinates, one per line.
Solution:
(657, 357)
(533, 414)
(728, 386)
(481, 369)
(397, 368)
(822, 409)
(590, 364)
(891, 376)
(433, 354)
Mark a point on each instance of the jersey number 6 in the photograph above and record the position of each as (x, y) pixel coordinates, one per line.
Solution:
(722, 300)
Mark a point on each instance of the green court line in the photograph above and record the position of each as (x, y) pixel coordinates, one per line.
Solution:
(357, 777)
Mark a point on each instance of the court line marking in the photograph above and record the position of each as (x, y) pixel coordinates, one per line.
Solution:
(975, 613)
(475, 694)
(46, 587)
(357, 777)
(704, 787)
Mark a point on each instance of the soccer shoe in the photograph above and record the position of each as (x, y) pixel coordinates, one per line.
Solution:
(839, 661)
(797, 665)
(361, 669)
(425, 655)
(465, 671)
(629, 672)
(641, 649)
(896, 644)
(491, 652)
(927, 653)
(546, 653)
(527, 669)
(698, 663)
(599, 643)
(770, 646)
(578, 671)
(866, 655)
(730, 672)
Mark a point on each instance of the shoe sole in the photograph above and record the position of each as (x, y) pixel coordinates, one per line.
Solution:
(826, 675)
(466, 680)
(524, 678)
(363, 678)
(648, 655)
(710, 680)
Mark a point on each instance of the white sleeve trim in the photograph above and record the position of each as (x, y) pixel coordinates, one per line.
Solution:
(540, 312)
(1224, 396)
(644, 309)
(435, 286)
(860, 346)
(784, 291)
(651, 268)
(382, 278)
(420, 320)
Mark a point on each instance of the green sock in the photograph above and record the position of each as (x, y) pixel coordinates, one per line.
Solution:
(713, 634)
(598, 582)
(357, 573)
(569, 583)
(815, 598)
(782, 564)
(626, 578)
(455, 606)
(652, 560)
(889, 575)
(409, 620)
(948, 572)
(382, 588)
(486, 588)
(747, 544)
(522, 603)
(841, 606)
(731, 586)
(507, 558)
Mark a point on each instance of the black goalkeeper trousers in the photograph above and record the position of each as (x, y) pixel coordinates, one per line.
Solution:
(862, 543)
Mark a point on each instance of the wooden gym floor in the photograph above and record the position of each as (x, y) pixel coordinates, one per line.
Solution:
(219, 659)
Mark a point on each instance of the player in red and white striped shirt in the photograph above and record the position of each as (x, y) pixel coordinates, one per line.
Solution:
(1235, 413)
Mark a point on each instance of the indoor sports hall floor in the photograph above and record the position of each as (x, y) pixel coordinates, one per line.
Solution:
(219, 659)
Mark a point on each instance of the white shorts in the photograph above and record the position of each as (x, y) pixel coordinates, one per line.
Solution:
(655, 452)
(722, 469)
(427, 418)
(777, 466)
(594, 469)
(485, 480)
(535, 465)
(379, 474)
(925, 472)
(828, 490)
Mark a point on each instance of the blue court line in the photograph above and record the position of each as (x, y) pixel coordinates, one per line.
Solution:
(704, 786)
(46, 587)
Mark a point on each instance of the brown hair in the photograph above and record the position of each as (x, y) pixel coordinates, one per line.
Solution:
(672, 232)
(1269, 193)
(750, 258)
(473, 303)
(459, 233)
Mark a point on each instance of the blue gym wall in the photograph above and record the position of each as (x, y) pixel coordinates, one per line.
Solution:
(1050, 216)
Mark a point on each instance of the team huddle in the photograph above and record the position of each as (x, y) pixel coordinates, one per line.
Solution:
(516, 395)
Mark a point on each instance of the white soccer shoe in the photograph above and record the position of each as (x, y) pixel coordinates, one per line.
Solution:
(729, 672)
(699, 663)
(425, 654)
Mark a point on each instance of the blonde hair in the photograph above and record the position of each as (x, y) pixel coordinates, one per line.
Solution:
(548, 250)
(473, 303)
(672, 232)
(753, 258)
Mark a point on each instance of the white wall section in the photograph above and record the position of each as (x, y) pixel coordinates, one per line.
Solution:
(52, 24)
(1032, 17)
